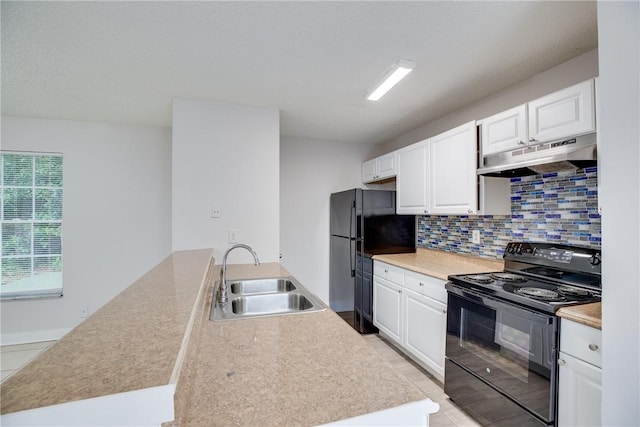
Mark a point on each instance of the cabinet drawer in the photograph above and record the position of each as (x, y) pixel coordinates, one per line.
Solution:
(388, 272)
(425, 285)
(581, 341)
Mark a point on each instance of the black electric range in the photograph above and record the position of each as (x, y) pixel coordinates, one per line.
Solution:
(542, 276)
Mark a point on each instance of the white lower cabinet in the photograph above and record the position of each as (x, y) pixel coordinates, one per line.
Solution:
(580, 375)
(425, 322)
(387, 308)
(410, 309)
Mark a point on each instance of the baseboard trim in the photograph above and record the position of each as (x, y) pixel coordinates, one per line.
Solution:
(33, 336)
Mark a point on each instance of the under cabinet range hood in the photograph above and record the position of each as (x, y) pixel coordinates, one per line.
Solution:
(575, 153)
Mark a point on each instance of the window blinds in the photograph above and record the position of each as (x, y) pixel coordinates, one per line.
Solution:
(31, 219)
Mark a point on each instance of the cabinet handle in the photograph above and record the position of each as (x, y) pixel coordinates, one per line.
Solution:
(521, 142)
(561, 362)
(593, 347)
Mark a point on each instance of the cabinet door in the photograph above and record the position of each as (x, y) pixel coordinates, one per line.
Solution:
(425, 322)
(504, 131)
(568, 112)
(369, 171)
(452, 171)
(412, 179)
(579, 392)
(386, 165)
(387, 308)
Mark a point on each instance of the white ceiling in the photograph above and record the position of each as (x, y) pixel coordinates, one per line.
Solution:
(123, 62)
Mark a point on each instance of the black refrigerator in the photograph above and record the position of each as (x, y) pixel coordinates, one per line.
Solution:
(363, 223)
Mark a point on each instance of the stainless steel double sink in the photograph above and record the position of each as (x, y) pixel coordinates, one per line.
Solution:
(265, 297)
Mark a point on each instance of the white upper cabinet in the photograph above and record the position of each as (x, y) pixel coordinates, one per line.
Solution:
(568, 112)
(452, 171)
(412, 185)
(380, 168)
(504, 131)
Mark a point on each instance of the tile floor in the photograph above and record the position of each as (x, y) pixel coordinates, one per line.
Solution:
(449, 414)
(13, 357)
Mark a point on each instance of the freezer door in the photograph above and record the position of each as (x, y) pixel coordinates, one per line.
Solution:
(343, 214)
(342, 280)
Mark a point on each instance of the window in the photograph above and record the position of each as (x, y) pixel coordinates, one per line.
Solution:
(31, 218)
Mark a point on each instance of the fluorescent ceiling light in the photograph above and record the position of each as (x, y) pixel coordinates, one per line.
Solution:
(391, 78)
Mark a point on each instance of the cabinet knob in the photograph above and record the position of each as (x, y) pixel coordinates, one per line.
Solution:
(561, 362)
(470, 211)
(444, 311)
(421, 284)
(532, 139)
(521, 142)
(399, 291)
(386, 271)
(593, 347)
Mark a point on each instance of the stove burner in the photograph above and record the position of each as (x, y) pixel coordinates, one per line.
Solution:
(480, 278)
(571, 291)
(539, 293)
(508, 277)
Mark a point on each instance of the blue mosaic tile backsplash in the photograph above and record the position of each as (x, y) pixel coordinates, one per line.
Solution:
(559, 207)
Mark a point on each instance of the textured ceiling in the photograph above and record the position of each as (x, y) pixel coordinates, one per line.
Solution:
(123, 62)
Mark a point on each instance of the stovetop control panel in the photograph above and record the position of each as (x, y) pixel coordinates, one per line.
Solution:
(573, 258)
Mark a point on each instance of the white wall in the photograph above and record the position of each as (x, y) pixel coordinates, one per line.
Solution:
(619, 151)
(310, 170)
(228, 155)
(566, 74)
(116, 218)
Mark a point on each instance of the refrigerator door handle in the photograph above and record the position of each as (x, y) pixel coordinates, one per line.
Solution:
(352, 253)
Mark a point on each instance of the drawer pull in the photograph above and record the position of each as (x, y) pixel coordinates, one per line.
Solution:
(593, 347)
(421, 284)
(561, 362)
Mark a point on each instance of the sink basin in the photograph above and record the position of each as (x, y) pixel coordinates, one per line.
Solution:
(265, 297)
(262, 286)
(271, 304)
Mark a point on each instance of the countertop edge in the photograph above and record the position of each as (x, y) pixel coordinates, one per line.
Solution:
(182, 352)
(585, 314)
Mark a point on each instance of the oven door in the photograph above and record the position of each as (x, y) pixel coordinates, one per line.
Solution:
(509, 347)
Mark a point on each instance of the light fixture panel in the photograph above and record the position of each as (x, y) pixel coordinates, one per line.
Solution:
(391, 78)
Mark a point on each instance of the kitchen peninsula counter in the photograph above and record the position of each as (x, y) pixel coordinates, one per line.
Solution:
(297, 369)
(441, 264)
(133, 342)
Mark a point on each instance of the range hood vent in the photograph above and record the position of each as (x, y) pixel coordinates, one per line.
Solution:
(571, 154)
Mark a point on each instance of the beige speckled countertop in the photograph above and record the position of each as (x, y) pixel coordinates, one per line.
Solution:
(587, 314)
(441, 264)
(131, 343)
(300, 369)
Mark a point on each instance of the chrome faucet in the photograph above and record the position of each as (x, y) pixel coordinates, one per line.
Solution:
(223, 297)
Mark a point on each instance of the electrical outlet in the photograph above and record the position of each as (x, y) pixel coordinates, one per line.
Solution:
(215, 211)
(233, 235)
(84, 312)
(475, 237)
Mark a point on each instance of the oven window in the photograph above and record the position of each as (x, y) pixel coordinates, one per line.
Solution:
(512, 349)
